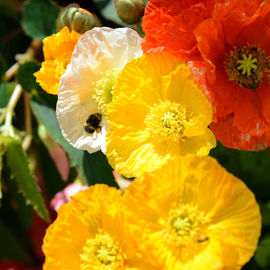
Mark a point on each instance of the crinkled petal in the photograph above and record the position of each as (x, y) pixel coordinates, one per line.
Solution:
(57, 50)
(233, 216)
(98, 51)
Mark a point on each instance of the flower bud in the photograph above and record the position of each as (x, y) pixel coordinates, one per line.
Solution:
(77, 19)
(130, 11)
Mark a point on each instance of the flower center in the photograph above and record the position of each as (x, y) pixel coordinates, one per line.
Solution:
(104, 89)
(102, 252)
(185, 225)
(167, 120)
(246, 66)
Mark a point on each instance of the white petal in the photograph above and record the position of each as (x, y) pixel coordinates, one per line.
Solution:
(98, 50)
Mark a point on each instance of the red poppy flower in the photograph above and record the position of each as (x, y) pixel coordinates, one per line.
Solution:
(170, 25)
(234, 73)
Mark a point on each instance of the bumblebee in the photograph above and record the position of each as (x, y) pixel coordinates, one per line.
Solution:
(92, 124)
(77, 19)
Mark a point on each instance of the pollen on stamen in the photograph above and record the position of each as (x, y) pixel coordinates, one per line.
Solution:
(104, 89)
(102, 251)
(246, 66)
(185, 225)
(167, 121)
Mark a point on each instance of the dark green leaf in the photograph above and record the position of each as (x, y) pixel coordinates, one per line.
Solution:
(101, 3)
(3, 68)
(24, 212)
(25, 76)
(262, 255)
(94, 168)
(11, 249)
(3, 94)
(265, 210)
(39, 18)
(1, 167)
(19, 166)
(3, 148)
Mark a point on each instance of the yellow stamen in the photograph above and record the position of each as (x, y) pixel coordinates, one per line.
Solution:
(104, 89)
(102, 252)
(184, 225)
(247, 64)
(167, 120)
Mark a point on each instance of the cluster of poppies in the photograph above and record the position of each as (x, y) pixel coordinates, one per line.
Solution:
(226, 44)
(148, 104)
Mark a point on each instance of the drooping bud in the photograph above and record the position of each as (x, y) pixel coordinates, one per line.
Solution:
(130, 11)
(77, 19)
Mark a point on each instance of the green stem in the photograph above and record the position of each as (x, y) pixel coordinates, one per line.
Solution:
(11, 71)
(28, 123)
(10, 109)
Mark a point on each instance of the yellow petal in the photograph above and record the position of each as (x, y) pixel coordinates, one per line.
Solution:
(224, 209)
(155, 95)
(199, 145)
(57, 50)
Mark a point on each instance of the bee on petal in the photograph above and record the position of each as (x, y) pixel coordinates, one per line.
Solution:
(93, 123)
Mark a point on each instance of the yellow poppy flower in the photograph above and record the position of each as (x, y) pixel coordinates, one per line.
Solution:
(89, 234)
(157, 112)
(194, 215)
(57, 50)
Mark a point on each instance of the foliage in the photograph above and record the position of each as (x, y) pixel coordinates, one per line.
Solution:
(39, 18)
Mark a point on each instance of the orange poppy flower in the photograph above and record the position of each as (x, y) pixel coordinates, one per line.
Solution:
(235, 47)
(169, 25)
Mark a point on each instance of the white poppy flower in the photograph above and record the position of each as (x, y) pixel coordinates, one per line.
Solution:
(86, 87)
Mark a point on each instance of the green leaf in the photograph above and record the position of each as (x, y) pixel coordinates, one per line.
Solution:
(265, 210)
(1, 167)
(39, 18)
(3, 149)
(3, 68)
(262, 255)
(94, 168)
(25, 76)
(4, 94)
(10, 249)
(19, 166)
(47, 117)
(101, 3)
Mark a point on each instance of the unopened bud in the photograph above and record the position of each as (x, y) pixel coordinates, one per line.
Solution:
(130, 11)
(77, 19)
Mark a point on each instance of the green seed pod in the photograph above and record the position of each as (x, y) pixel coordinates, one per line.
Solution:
(77, 19)
(130, 11)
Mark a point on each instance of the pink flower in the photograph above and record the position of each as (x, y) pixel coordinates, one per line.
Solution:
(63, 196)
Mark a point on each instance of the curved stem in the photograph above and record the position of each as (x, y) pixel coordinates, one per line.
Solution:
(28, 122)
(10, 109)
(11, 71)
